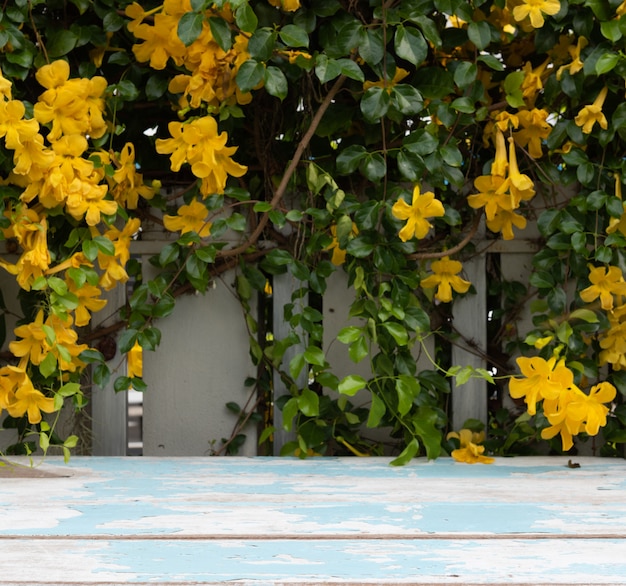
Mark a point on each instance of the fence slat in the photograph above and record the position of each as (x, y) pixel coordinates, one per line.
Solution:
(110, 409)
(469, 401)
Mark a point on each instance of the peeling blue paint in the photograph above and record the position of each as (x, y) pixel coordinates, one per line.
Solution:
(207, 520)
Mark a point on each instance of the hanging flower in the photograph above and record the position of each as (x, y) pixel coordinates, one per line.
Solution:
(423, 206)
(134, 364)
(445, 278)
(589, 115)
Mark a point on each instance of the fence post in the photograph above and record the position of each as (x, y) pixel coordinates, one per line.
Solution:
(109, 409)
(469, 401)
(283, 288)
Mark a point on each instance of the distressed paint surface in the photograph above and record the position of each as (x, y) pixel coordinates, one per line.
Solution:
(345, 520)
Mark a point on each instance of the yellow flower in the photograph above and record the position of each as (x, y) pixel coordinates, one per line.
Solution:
(65, 348)
(469, 451)
(189, 218)
(160, 41)
(504, 220)
(5, 87)
(387, 83)
(605, 283)
(338, 253)
(576, 65)
(594, 408)
(493, 194)
(535, 9)
(589, 115)
(522, 186)
(613, 342)
(127, 184)
(445, 278)
(535, 128)
(565, 417)
(19, 396)
(545, 379)
(33, 346)
(134, 361)
(13, 127)
(88, 301)
(423, 206)
(73, 106)
(198, 143)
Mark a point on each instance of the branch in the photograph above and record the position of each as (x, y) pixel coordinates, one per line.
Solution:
(460, 246)
(291, 168)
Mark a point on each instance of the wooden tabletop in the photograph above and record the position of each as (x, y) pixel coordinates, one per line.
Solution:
(106, 521)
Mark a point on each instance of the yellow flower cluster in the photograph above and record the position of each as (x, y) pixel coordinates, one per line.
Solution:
(199, 144)
(53, 169)
(568, 409)
(212, 71)
(502, 192)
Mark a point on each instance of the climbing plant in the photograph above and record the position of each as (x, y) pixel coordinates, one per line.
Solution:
(308, 137)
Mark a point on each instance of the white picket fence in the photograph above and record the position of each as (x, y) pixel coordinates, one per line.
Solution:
(203, 359)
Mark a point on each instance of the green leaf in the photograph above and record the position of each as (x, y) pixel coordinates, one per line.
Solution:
(250, 75)
(245, 18)
(309, 403)
(220, 29)
(398, 332)
(407, 388)
(294, 36)
(374, 166)
(113, 22)
(290, 409)
(607, 62)
(424, 424)
(190, 27)
(492, 62)
(60, 42)
(610, 30)
(168, 254)
(296, 364)
(410, 45)
(358, 350)
(513, 88)
(371, 46)
(375, 103)
(406, 99)
(465, 74)
(407, 454)
(349, 334)
(261, 44)
(351, 69)
(326, 69)
(48, 365)
(315, 355)
(377, 411)
(276, 82)
(351, 385)
(479, 32)
(350, 158)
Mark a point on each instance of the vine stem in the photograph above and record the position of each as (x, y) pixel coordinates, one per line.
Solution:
(291, 168)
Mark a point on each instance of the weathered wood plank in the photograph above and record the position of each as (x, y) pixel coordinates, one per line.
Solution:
(344, 520)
